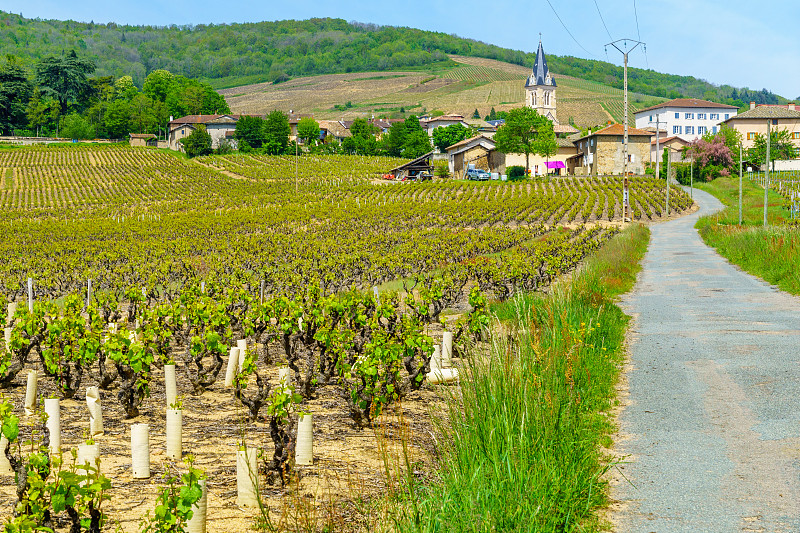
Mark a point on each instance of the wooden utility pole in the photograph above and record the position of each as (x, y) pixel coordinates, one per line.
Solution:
(624, 50)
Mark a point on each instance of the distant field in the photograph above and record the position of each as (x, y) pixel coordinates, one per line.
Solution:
(476, 83)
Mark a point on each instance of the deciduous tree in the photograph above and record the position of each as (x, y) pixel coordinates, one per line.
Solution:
(525, 132)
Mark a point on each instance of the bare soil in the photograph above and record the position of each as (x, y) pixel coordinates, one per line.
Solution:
(344, 487)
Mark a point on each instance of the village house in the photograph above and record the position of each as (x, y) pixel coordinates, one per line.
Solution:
(217, 126)
(687, 118)
(542, 166)
(431, 123)
(602, 152)
(478, 151)
(675, 145)
(754, 122)
(333, 130)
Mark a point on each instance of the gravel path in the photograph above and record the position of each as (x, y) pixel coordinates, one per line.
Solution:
(710, 429)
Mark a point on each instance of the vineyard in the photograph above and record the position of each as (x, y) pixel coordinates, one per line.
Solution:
(295, 299)
(476, 83)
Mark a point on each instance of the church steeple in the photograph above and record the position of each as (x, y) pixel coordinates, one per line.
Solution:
(540, 87)
(540, 74)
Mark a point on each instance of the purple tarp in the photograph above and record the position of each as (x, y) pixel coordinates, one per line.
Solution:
(555, 164)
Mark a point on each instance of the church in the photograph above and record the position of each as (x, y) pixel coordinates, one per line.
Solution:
(540, 88)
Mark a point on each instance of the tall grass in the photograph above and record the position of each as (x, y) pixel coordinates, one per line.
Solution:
(520, 445)
(771, 253)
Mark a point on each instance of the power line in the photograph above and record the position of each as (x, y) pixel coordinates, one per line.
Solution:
(567, 29)
(603, 20)
(638, 33)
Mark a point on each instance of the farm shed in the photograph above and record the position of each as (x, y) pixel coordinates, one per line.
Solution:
(143, 139)
(479, 151)
(412, 169)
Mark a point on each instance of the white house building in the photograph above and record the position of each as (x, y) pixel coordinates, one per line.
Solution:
(686, 118)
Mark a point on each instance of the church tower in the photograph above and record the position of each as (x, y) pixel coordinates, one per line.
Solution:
(540, 88)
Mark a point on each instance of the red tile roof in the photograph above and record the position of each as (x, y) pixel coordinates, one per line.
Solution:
(663, 140)
(619, 129)
(688, 102)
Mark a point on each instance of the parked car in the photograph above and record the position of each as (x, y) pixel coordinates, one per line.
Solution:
(477, 174)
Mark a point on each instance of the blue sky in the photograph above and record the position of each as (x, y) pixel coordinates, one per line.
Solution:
(741, 43)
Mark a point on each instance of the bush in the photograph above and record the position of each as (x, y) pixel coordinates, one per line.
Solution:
(515, 172)
(442, 171)
(198, 143)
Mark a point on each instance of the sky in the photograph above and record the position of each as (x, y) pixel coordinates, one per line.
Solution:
(735, 42)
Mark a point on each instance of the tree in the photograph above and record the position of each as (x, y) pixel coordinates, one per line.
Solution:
(407, 139)
(15, 93)
(65, 78)
(42, 113)
(362, 140)
(249, 130)
(492, 115)
(74, 126)
(450, 135)
(712, 157)
(158, 84)
(476, 114)
(780, 147)
(525, 131)
(276, 133)
(146, 114)
(308, 129)
(118, 119)
(197, 143)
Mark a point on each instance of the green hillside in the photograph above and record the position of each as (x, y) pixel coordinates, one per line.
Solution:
(237, 54)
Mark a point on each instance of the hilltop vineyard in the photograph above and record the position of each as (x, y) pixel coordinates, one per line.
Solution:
(322, 285)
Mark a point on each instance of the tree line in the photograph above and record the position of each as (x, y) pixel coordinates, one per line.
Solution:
(61, 96)
(275, 51)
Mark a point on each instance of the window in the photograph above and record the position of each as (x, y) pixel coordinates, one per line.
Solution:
(689, 130)
(547, 98)
(796, 135)
(677, 115)
(676, 130)
(533, 101)
(702, 130)
(714, 130)
(713, 116)
(751, 135)
(727, 116)
(774, 121)
(701, 116)
(631, 159)
(689, 116)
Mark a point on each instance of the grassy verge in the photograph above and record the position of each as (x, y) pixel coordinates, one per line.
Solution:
(520, 448)
(771, 253)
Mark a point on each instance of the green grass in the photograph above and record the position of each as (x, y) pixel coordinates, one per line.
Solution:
(771, 253)
(520, 447)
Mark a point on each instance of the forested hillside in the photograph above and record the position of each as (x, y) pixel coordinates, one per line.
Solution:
(235, 54)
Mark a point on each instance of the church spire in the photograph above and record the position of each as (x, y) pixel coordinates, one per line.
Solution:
(540, 74)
